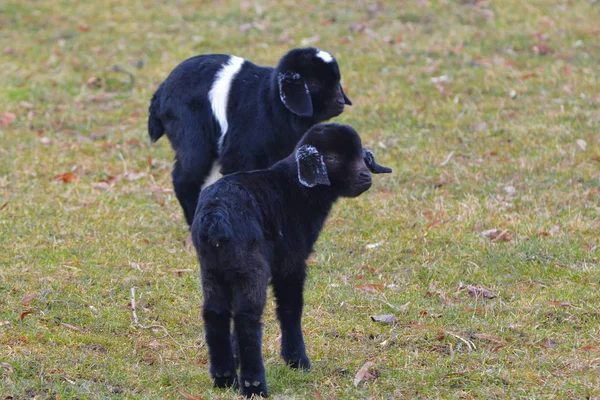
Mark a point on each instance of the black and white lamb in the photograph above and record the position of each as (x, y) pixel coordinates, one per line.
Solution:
(259, 227)
(224, 114)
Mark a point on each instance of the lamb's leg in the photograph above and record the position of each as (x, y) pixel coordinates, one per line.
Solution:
(288, 292)
(217, 315)
(250, 294)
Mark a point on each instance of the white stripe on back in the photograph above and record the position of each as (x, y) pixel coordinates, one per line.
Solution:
(214, 175)
(219, 93)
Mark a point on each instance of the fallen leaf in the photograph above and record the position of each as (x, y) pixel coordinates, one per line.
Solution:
(72, 327)
(3, 206)
(548, 344)
(357, 27)
(93, 81)
(475, 291)
(158, 189)
(590, 348)
(495, 235)
(489, 338)
(67, 177)
(3, 323)
(28, 298)
(373, 245)
(134, 176)
(529, 76)
(180, 272)
(582, 144)
(541, 49)
(363, 373)
(83, 28)
(24, 314)
(152, 345)
(134, 142)
(7, 119)
(370, 287)
(386, 319)
(596, 158)
(7, 367)
(101, 185)
(562, 304)
(367, 268)
(190, 396)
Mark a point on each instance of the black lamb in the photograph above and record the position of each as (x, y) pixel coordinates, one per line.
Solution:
(223, 114)
(252, 228)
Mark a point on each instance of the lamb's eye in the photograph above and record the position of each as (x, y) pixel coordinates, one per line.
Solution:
(331, 159)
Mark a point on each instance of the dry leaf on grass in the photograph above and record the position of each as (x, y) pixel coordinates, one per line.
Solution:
(101, 185)
(72, 327)
(363, 373)
(489, 338)
(595, 349)
(373, 245)
(134, 176)
(24, 314)
(386, 319)
(67, 177)
(476, 291)
(180, 272)
(495, 235)
(190, 396)
(370, 287)
(28, 298)
(7, 119)
(558, 303)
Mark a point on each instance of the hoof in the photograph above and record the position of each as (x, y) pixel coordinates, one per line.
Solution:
(254, 388)
(225, 380)
(301, 363)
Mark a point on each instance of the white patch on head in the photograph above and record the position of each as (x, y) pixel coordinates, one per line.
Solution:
(215, 175)
(325, 56)
(219, 93)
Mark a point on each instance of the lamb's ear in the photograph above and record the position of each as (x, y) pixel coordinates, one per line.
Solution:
(311, 167)
(294, 94)
(372, 164)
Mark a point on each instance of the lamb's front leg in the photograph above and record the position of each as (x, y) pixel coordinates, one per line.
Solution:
(250, 295)
(288, 292)
(217, 316)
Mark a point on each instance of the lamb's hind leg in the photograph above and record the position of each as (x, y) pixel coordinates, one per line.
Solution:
(250, 294)
(217, 315)
(195, 156)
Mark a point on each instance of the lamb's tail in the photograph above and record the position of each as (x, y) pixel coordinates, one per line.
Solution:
(155, 126)
(216, 228)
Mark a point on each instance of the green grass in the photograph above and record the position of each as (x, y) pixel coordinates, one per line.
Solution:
(467, 157)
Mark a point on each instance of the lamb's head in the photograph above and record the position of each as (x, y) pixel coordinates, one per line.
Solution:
(309, 84)
(332, 155)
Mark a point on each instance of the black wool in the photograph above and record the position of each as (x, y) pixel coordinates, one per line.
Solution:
(223, 114)
(252, 228)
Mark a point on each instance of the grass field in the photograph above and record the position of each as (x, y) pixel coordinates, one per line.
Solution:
(488, 111)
